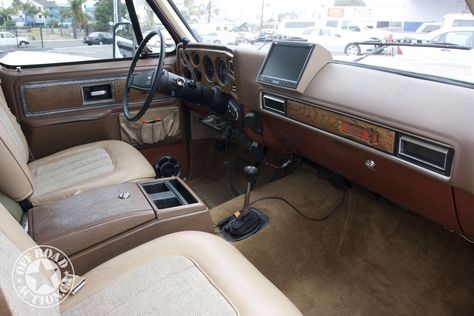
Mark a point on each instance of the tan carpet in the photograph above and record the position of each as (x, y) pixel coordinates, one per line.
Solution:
(367, 259)
(208, 176)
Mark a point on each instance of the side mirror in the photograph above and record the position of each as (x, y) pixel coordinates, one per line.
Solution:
(124, 40)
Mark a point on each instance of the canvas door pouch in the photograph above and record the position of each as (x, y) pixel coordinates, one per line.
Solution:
(156, 125)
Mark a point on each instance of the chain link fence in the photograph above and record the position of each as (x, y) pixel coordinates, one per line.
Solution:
(37, 37)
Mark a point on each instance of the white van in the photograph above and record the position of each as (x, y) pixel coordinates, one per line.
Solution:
(355, 26)
(294, 27)
(457, 20)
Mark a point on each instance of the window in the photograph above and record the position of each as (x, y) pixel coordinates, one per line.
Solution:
(430, 28)
(461, 23)
(376, 21)
(458, 38)
(75, 31)
(298, 25)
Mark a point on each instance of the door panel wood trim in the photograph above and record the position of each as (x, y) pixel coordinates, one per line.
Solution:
(42, 98)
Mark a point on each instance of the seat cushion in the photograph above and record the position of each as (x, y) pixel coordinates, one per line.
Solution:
(86, 167)
(186, 273)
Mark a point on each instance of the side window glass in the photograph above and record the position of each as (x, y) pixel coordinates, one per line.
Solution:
(459, 38)
(66, 31)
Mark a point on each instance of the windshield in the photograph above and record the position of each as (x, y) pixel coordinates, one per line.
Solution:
(341, 26)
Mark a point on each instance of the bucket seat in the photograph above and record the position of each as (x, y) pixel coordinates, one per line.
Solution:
(67, 172)
(186, 273)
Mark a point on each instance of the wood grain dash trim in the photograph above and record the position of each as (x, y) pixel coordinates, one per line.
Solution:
(381, 138)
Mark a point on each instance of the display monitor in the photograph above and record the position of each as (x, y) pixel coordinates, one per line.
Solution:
(285, 64)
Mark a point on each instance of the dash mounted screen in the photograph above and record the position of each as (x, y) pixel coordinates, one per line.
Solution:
(285, 64)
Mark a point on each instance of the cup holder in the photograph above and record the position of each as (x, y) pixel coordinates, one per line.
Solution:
(168, 193)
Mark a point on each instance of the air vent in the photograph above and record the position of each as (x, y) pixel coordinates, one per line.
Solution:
(274, 104)
(432, 156)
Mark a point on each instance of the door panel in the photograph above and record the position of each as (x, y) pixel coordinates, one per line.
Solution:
(51, 104)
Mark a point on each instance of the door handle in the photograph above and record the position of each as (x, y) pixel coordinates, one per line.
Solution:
(98, 93)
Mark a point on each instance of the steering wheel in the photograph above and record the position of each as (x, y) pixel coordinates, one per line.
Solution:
(146, 81)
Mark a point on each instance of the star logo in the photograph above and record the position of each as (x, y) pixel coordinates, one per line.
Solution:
(38, 273)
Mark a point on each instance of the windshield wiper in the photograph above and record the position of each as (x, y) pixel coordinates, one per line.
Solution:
(372, 52)
(383, 45)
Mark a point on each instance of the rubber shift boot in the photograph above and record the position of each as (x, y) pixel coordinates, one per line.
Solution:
(242, 227)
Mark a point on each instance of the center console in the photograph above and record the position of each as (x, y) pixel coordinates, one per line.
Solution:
(95, 226)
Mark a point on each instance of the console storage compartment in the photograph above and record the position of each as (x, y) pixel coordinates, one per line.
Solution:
(95, 226)
(170, 197)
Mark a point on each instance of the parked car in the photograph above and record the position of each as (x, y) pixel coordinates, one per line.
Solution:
(223, 37)
(266, 35)
(458, 20)
(98, 38)
(353, 26)
(444, 62)
(9, 39)
(337, 41)
(245, 37)
(154, 42)
(294, 27)
(23, 58)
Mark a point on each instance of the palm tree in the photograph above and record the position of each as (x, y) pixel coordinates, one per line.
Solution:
(79, 18)
(29, 9)
(6, 13)
(64, 13)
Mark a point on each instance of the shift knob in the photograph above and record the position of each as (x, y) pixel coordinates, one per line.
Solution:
(250, 172)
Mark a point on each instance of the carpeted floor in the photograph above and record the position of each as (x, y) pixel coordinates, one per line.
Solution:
(208, 175)
(367, 259)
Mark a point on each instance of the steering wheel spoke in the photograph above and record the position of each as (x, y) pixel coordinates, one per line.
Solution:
(145, 81)
(142, 81)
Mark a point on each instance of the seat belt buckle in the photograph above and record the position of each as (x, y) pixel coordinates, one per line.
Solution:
(71, 284)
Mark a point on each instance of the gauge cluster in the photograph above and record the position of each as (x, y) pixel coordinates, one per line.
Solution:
(211, 66)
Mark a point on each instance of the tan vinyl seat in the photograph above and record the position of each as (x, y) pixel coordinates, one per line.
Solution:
(67, 172)
(186, 273)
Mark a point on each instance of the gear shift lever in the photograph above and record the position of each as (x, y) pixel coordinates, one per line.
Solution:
(251, 174)
(248, 220)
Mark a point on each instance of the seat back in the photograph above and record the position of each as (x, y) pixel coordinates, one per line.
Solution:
(15, 177)
(13, 242)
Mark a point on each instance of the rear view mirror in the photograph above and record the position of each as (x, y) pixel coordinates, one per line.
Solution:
(125, 42)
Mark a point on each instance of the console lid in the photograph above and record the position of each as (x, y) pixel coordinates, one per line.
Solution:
(81, 221)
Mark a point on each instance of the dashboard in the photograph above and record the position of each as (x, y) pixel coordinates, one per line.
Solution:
(209, 66)
(408, 139)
